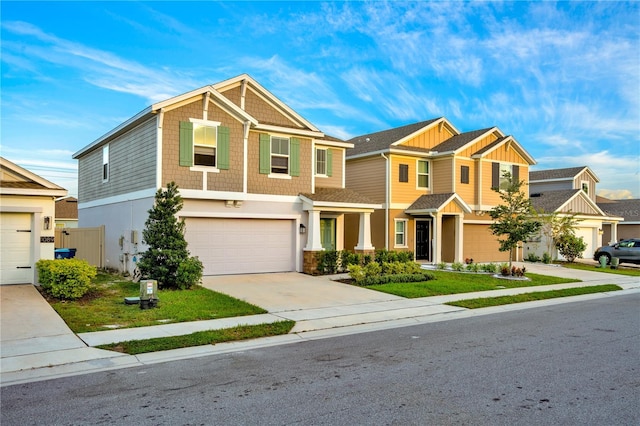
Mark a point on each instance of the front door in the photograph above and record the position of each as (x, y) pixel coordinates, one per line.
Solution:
(423, 240)
(328, 234)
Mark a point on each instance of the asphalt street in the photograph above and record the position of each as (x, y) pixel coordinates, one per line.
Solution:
(565, 364)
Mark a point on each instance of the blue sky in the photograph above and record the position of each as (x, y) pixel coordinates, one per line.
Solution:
(562, 78)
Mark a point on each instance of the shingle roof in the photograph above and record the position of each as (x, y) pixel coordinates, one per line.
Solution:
(628, 209)
(458, 141)
(21, 185)
(490, 146)
(430, 201)
(67, 208)
(337, 195)
(552, 174)
(379, 141)
(550, 201)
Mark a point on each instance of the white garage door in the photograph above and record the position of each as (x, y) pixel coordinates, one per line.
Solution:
(242, 246)
(588, 235)
(15, 259)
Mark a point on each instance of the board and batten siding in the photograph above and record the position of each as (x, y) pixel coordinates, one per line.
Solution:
(429, 138)
(586, 177)
(132, 165)
(367, 176)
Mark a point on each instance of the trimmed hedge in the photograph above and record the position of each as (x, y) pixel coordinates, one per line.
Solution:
(397, 278)
(65, 278)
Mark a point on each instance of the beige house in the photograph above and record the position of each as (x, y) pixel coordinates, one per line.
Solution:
(570, 191)
(27, 214)
(67, 212)
(434, 184)
(263, 188)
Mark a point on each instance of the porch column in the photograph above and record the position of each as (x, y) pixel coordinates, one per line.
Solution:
(313, 240)
(437, 238)
(364, 235)
(459, 256)
(614, 233)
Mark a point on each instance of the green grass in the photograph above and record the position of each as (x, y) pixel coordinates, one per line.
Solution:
(200, 338)
(529, 297)
(622, 270)
(103, 307)
(454, 283)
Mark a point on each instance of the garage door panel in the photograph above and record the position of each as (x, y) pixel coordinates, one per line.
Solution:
(16, 238)
(239, 246)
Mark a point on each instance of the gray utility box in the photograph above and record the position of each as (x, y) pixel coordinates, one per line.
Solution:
(148, 294)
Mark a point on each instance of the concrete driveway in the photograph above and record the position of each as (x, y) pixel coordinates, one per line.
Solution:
(290, 291)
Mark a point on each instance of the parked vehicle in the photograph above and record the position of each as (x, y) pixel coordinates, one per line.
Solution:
(625, 250)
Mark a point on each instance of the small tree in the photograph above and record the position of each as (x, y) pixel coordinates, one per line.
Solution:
(570, 246)
(554, 226)
(167, 260)
(514, 218)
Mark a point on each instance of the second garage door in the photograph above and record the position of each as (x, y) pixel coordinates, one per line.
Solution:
(15, 260)
(242, 246)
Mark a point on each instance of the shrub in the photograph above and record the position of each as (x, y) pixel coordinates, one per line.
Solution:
(372, 269)
(398, 278)
(546, 258)
(457, 266)
(65, 278)
(570, 246)
(189, 272)
(356, 272)
(349, 258)
(532, 257)
(441, 265)
(489, 267)
(473, 267)
(505, 270)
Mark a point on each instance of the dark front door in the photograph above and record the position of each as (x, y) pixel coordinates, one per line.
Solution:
(423, 240)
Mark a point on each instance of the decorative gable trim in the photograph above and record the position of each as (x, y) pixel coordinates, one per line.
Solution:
(441, 122)
(506, 140)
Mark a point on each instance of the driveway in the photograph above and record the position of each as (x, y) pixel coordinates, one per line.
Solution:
(292, 291)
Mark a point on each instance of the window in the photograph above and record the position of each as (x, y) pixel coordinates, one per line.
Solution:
(105, 163)
(585, 186)
(464, 174)
(280, 155)
(497, 175)
(321, 161)
(404, 173)
(205, 140)
(423, 174)
(401, 233)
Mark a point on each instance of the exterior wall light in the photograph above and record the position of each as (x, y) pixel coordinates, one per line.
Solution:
(303, 229)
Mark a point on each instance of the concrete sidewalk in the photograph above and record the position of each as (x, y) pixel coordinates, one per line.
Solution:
(321, 308)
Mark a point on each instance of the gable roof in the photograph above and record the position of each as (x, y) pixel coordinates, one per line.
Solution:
(382, 141)
(457, 142)
(627, 209)
(16, 180)
(568, 173)
(67, 208)
(555, 201)
(505, 140)
(431, 203)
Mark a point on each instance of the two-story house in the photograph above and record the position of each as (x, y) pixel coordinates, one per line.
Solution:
(570, 191)
(263, 188)
(435, 185)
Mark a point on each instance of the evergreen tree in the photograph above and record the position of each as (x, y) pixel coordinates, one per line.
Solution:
(167, 260)
(514, 218)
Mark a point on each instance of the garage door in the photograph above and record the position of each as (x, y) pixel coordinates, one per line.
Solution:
(588, 235)
(15, 259)
(242, 246)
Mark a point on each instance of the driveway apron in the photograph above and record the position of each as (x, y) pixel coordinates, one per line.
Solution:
(290, 291)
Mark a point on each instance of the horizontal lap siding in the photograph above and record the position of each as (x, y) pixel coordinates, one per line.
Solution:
(337, 169)
(132, 165)
(441, 176)
(481, 245)
(367, 177)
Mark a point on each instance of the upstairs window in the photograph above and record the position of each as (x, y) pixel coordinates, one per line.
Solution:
(280, 155)
(498, 180)
(585, 186)
(105, 163)
(464, 174)
(205, 140)
(423, 174)
(321, 161)
(204, 144)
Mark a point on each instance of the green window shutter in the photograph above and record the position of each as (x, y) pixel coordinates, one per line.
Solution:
(186, 143)
(294, 157)
(265, 153)
(329, 162)
(223, 148)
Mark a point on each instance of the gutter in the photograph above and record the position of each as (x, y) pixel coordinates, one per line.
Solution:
(386, 204)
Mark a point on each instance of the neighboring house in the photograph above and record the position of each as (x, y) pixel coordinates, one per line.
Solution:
(263, 188)
(27, 212)
(569, 191)
(434, 183)
(629, 210)
(67, 212)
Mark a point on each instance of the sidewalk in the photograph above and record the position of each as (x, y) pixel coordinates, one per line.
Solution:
(59, 352)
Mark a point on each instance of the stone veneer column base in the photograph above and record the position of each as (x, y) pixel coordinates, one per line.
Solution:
(365, 252)
(310, 262)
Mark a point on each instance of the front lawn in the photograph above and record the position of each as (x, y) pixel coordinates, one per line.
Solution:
(103, 308)
(622, 270)
(456, 282)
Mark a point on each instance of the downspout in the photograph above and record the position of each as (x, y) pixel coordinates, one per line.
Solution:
(245, 159)
(386, 202)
